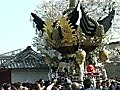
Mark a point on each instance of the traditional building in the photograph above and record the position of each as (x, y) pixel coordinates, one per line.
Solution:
(26, 66)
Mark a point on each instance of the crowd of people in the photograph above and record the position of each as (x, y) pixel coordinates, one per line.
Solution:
(67, 84)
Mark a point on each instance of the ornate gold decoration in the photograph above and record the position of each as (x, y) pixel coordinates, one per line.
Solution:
(94, 40)
(103, 55)
(67, 32)
(69, 35)
(52, 34)
(80, 56)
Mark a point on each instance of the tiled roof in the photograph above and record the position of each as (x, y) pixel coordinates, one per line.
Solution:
(4, 59)
(27, 58)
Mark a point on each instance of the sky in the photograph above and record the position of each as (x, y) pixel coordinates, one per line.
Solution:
(16, 30)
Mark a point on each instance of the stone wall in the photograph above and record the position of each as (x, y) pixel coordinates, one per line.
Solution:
(113, 68)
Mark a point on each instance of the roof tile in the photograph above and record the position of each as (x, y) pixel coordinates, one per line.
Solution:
(27, 58)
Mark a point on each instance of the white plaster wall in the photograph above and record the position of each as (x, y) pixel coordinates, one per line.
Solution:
(28, 75)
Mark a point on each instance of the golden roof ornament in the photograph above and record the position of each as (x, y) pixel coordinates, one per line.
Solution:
(104, 55)
(80, 56)
(67, 37)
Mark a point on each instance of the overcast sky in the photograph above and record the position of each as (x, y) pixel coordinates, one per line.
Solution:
(16, 29)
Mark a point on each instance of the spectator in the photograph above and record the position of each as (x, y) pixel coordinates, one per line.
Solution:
(88, 85)
(104, 85)
(98, 85)
(90, 68)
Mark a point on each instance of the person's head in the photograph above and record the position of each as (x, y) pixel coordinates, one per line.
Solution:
(75, 86)
(41, 81)
(13, 87)
(103, 83)
(87, 83)
(63, 87)
(90, 61)
(112, 83)
(107, 83)
(47, 83)
(98, 84)
(6, 86)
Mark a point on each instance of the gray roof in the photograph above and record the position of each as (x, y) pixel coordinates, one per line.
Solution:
(27, 58)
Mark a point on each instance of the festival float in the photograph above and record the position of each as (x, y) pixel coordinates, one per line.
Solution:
(75, 35)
